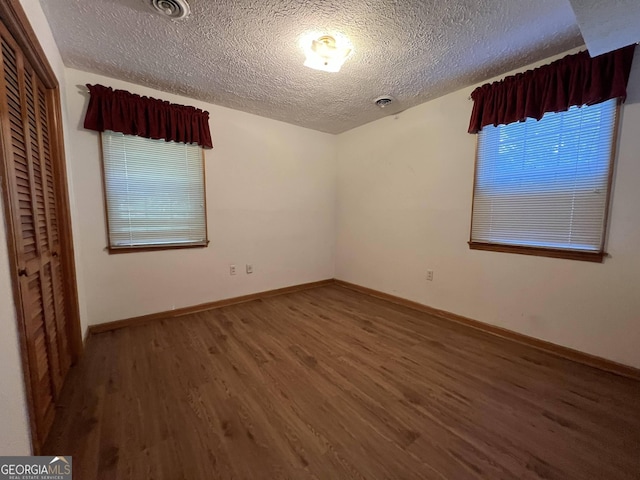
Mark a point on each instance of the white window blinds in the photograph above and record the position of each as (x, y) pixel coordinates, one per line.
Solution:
(545, 183)
(154, 191)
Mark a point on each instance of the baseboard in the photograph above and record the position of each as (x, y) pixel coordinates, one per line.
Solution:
(553, 348)
(549, 347)
(109, 326)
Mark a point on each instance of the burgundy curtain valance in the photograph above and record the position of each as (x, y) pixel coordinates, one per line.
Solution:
(573, 80)
(131, 114)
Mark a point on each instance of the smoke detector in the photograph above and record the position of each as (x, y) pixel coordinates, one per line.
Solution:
(384, 101)
(173, 9)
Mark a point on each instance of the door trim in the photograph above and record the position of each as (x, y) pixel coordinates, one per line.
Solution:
(16, 22)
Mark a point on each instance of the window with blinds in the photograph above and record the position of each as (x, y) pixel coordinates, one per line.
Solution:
(155, 192)
(545, 184)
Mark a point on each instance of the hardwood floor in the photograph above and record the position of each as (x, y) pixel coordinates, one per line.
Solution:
(333, 384)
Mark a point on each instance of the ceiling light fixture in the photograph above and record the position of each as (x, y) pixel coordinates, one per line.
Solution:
(326, 53)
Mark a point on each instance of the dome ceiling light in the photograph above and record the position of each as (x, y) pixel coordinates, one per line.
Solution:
(326, 53)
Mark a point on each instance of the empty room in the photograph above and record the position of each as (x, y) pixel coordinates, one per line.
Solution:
(319, 240)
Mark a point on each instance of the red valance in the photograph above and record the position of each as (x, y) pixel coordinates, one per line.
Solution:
(125, 112)
(573, 80)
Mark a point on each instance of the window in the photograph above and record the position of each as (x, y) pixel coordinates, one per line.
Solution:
(155, 192)
(542, 187)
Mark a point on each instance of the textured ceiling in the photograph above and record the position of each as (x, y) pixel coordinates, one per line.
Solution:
(245, 54)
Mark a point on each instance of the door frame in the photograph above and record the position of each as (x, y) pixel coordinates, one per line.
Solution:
(17, 23)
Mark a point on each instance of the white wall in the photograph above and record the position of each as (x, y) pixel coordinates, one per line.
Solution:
(270, 202)
(14, 433)
(404, 206)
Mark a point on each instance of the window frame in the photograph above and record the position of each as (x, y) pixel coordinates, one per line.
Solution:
(568, 254)
(150, 248)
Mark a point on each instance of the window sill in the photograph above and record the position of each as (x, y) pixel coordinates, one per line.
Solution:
(151, 248)
(597, 257)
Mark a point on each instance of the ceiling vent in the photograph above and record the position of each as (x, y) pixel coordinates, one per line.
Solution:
(383, 101)
(173, 9)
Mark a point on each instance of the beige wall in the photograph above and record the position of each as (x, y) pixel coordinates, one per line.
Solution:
(404, 206)
(270, 203)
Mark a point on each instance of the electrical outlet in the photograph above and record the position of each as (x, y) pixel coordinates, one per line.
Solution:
(430, 275)
(232, 269)
(249, 268)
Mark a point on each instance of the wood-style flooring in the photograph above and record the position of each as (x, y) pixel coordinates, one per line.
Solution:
(333, 384)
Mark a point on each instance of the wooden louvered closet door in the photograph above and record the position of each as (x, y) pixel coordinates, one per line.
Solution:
(25, 121)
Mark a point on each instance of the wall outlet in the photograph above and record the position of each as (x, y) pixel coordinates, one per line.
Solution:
(249, 268)
(430, 275)
(232, 269)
